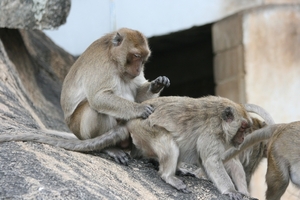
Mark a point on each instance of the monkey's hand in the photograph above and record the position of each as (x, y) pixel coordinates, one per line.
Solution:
(145, 110)
(159, 83)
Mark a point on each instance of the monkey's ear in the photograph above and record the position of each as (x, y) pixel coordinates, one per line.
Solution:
(227, 114)
(117, 40)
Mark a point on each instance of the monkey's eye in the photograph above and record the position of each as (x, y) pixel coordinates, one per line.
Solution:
(137, 55)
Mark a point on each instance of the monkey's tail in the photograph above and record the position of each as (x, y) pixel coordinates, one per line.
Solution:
(255, 137)
(261, 112)
(109, 138)
(66, 135)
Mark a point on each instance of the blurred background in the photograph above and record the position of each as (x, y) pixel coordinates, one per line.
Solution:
(245, 50)
(89, 20)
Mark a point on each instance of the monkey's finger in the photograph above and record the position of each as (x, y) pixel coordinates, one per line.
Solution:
(166, 81)
(122, 158)
(148, 111)
(162, 80)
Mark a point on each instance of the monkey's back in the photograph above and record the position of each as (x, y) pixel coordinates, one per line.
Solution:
(175, 112)
(285, 142)
(190, 120)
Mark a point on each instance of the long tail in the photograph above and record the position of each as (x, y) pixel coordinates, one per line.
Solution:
(110, 138)
(261, 112)
(66, 135)
(251, 139)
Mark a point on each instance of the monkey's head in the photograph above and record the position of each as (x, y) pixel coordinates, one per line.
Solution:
(235, 123)
(130, 50)
(258, 124)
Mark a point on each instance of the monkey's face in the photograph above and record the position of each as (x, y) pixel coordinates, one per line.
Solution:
(137, 56)
(135, 63)
(131, 51)
(239, 137)
(235, 123)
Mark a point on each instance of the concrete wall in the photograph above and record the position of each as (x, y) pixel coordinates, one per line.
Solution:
(257, 60)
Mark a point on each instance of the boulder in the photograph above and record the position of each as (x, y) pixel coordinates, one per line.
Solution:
(32, 70)
(33, 14)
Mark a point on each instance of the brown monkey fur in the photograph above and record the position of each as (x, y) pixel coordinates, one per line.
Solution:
(194, 131)
(102, 90)
(283, 141)
(251, 157)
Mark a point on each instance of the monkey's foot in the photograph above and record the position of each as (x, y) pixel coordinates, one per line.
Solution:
(235, 195)
(154, 163)
(118, 155)
(198, 173)
(184, 172)
(176, 183)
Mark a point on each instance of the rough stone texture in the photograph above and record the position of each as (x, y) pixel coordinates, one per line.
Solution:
(228, 61)
(229, 74)
(264, 57)
(33, 14)
(272, 51)
(227, 33)
(31, 72)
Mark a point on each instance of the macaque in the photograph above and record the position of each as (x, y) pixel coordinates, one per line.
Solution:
(251, 157)
(283, 152)
(195, 131)
(102, 91)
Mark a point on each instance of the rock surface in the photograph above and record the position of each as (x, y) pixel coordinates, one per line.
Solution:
(32, 69)
(33, 14)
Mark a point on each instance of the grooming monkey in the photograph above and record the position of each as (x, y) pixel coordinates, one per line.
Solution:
(102, 90)
(283, 152)
(194, 131)
(251, 157)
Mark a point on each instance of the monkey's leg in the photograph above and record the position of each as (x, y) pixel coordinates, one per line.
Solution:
(115, 138)
(167, 152)
(219, 176)
(86, 123)
(277, 179)
(235, 169)
(295, 173)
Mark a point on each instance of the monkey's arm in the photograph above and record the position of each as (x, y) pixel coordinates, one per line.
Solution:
(210, 149)
(236, 171)
(253, 138)
(218, 175)
(107, 102)
(152, 89)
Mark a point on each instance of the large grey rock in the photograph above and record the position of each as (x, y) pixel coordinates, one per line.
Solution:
(33, 14)
(32, 69)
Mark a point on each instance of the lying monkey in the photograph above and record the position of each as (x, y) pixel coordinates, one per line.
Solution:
(282, 153)
(197, 131)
